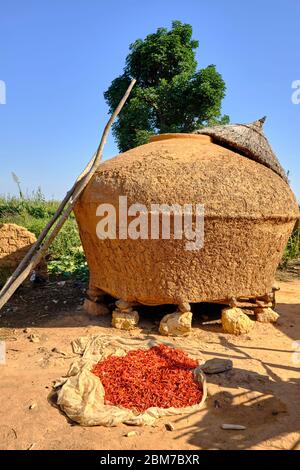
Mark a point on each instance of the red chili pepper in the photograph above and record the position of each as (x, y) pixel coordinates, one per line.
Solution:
(160, 376)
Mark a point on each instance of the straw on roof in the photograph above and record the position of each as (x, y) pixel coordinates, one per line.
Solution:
(249, 140)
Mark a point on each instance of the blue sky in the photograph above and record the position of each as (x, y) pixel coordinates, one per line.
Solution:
(57, 57)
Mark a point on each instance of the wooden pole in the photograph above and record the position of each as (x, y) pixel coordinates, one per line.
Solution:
(39, 249)
(46, 229)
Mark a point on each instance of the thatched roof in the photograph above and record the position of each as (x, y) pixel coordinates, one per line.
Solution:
(248, 140)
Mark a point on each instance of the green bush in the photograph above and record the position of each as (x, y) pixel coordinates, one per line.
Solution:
(292, 249)
(73, 265)
(65, 253)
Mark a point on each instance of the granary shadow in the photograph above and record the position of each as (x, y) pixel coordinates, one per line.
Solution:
(267, 405)
(289, 322)
(258, 405)
(264, 403)
(244, 352)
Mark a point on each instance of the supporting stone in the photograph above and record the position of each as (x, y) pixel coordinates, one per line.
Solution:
(233, 303)
(125, 320)
(184, 307)
(235, 321)
(266, 315)
(176, 324)
(95, 294)
(123, 305)
(95, 309)
(124, 317)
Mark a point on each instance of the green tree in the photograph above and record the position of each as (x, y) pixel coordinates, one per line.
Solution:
(170, 94)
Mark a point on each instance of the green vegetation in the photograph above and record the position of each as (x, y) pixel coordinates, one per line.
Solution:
(170, 94)
(33, 212)
(292, 250)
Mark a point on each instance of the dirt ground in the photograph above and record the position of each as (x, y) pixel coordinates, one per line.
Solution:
(262, 392)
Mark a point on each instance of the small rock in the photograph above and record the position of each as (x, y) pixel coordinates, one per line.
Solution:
(94, 294)
(266, 315)
(32, 406)
(55, 301)
(27, 330)
(122, 304)
(236, 427)
(176, 324)
(233, 302)
(125, 321)
(95, 309)
(131, 434)
(31, 446)
(184, 307)
(61, 283)
(169, 427)
(216, 365)
(126, 310)
(33, 338)
(235, 321)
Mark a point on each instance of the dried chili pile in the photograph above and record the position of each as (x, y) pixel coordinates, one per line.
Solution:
(160, 376)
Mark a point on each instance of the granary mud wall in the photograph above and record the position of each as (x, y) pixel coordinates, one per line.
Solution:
(15, 241)
(249, 214)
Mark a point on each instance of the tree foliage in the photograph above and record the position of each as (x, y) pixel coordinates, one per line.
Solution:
(170, 94)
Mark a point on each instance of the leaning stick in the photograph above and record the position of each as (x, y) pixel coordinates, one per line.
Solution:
(46, 229)
(38, 250)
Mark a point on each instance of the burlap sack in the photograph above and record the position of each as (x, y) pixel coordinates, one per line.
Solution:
(81, 394)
